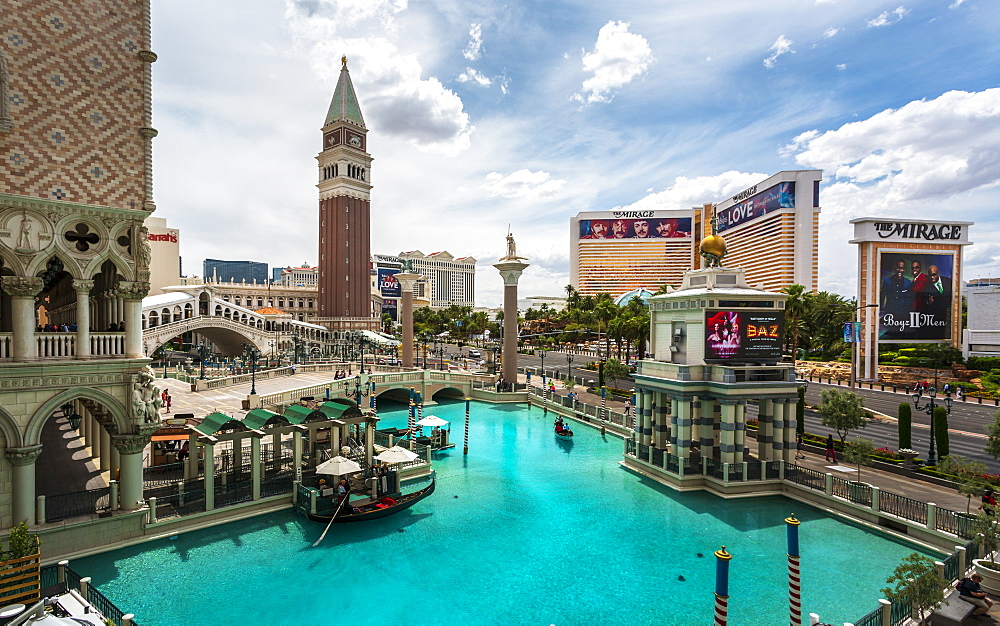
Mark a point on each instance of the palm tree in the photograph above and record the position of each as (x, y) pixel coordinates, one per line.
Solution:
(795, 307)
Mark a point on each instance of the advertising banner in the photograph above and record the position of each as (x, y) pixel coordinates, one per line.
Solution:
(388, 286)
(751, 336)
(390, 307)
(641, 228)
(780, 196)
(916, 296)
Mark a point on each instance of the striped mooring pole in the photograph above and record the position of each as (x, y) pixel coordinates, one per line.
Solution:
(420, 413)
(371, 393)
(722, 586)
(794, 579)
(465, 450)
(410, 421)
(604, 407)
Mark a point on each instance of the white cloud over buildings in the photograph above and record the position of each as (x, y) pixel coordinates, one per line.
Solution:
(618, 58)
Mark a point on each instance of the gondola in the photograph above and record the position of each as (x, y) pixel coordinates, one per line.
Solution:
(563, 431)
(374, 509)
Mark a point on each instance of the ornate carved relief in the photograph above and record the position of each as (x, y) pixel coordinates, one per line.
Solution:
(145, 405)
(21, 286)
(23, 456)
(57, 382)
(133, 290)
(83, 285)
(25, 232)
(130, 444)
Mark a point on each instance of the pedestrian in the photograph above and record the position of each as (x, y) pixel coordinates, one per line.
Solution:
(989, 503)
(960, 393)
(293, 369)
(799, 453)
(831, 453)
(167, 402)
(628, 408)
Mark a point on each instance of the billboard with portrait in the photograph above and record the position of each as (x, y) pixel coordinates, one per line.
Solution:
(388, 286)
(916, 296)
(743, 336)
(636, 228)
(780, 196)
(390, 307)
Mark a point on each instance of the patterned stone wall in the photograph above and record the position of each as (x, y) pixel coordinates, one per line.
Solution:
(77, 97)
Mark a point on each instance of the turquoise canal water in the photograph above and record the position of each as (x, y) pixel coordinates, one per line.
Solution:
(526, 529)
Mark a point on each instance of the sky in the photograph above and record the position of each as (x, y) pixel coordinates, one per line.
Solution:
(490, 115)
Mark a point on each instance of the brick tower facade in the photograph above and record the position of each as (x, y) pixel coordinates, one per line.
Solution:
(344, 214)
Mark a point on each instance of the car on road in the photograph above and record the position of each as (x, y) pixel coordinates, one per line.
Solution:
(475, 354)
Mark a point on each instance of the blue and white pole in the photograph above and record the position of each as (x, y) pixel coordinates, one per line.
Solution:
(465, 450)
(794, 579)
(722, 586)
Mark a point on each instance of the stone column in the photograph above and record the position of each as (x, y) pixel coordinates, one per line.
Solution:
(276, 446)
(297, 452)
(662, 415)
(22, 292)
(784, 430)
(681, 431)
(191, 467)
(208, 446)
(407, 280)
(740, 432)
(728, 444)
(116, 462)
(510, 270)
(22, 461)
(132, 294)
(95, 442)
(765, 430)
(370, 440)
(255, 464)
(82, 288)
(105, 453)
(130, 447)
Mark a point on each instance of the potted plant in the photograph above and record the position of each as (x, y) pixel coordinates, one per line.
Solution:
(917, 582)
(908, 456)
(20, 579)
(987, 532)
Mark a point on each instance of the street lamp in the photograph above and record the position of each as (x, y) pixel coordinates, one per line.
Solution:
(855, 350)
(71, 415)
(543, 366)
(569, 366)
(202, 349)
(251, 353)
(929, 410)
(295, 346)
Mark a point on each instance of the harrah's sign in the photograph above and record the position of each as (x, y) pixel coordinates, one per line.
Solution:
(171, 237)
(916, 230)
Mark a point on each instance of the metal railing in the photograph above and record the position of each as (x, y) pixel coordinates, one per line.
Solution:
(66, 505)
(162, 474)
(903, 507)
(50, 578)
(805, 477)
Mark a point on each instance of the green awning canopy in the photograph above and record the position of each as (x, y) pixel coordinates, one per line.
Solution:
(298, 414)
(333, 410)
(261, 418)
(215, 422)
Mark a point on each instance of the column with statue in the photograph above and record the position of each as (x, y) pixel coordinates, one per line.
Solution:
(510, 267)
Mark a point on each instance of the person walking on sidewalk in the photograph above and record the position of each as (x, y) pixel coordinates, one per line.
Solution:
(831, 453)
(799, 454)
(628, 408)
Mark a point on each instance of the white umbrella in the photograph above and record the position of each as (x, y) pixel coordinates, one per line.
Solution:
(432, 420)
(396, 454)
(338, 466)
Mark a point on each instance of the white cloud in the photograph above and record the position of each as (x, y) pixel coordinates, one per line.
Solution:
(830, 32)
(842, 66)
(956, 4)
(928, 148)
(523, 184)
(617, 59)
(471, 75)
(505, 85)
(395, 97)
(782, 45)
(888, 17)
(475, 46)
(688, 192)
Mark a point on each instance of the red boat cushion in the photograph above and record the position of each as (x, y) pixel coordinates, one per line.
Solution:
(382, 506)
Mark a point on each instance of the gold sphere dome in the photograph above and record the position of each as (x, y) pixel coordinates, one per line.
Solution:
(714, 245)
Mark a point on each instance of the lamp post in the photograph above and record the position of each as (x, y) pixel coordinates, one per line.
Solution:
(202, 349)
(251, 353)
(855, 350)
(295, 346)
(929, 410)
(569, 367)
(542, 354)
(72, 416)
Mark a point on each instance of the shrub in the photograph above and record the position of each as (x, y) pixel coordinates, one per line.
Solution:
(905, 426)
(901, 360)
(941, 430)
(983, 362)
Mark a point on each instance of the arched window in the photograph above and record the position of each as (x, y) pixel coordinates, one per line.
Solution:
(6, 123)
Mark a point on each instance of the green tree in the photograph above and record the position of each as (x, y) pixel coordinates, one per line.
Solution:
(842, 411)
(615, 370)
(20, 543)
(795, 307)
(969, 475)
(986, 528)
(917, 583)
(904, 426)
(859, 452)
(941, 430)
(993, 437)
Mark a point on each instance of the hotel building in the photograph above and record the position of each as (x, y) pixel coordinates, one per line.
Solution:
(447, 280)
(771, 228)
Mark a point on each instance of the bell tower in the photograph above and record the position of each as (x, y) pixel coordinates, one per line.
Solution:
(344, 213)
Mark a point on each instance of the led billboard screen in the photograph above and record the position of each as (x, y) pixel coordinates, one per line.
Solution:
(641, 228)
(388, 286)
(744, 336)
(916, 296)
(780, 196)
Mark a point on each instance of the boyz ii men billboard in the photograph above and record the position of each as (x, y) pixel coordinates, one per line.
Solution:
(916, 296)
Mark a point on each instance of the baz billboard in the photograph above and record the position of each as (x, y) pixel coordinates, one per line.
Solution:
(388, 286)
(753, 336)
(638, 228)
(916, 296)
(780, 196)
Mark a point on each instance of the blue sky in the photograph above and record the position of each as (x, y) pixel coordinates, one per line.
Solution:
(525, 113)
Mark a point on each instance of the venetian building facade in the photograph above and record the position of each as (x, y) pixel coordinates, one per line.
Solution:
(75, 187)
